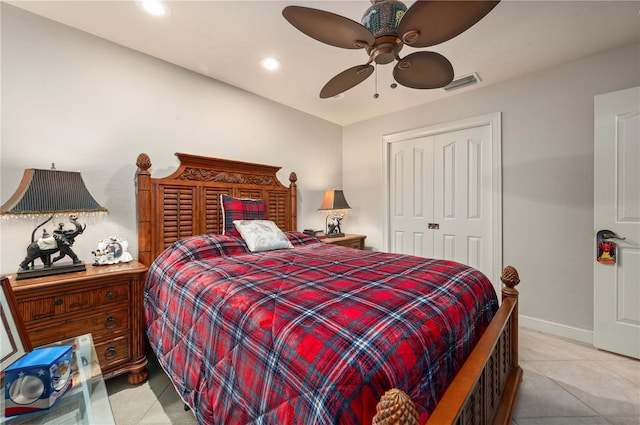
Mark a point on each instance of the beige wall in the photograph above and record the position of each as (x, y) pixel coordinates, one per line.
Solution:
(92, 106)
(547, 155)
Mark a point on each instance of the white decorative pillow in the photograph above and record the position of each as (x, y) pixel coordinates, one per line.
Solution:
(261, 235)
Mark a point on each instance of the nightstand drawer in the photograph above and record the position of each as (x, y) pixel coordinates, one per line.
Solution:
(350, 241)
(351, 244)
(112, 352)
(101, 326)
(42, 308)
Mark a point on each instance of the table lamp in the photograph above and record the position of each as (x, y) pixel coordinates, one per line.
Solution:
(335, 206)
(43, 193)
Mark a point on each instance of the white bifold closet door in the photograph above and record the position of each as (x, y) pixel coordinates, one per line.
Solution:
(440, 197)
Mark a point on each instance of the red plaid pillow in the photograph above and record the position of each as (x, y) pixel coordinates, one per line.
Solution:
(240, 209)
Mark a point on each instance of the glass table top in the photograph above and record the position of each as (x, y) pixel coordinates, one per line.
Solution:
(86, 402)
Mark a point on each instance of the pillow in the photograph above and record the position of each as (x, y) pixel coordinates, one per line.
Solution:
(262, 235)
(300, 239)
(239, 209)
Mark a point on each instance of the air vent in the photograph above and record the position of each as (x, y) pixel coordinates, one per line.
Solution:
(464, 81)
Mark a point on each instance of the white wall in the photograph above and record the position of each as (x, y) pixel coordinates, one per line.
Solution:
(547, 155)
(92, 106)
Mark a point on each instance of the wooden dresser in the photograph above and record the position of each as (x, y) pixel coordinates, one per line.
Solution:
(351, 241)
(105, 301)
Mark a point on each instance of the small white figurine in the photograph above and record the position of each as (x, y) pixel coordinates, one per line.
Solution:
(111, 251)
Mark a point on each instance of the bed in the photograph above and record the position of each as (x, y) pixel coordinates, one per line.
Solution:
(290, 336)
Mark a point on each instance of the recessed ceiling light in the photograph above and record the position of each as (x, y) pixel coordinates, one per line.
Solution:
(270, 64)
(155, 7)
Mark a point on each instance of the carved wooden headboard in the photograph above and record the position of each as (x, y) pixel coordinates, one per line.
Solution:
(187, 202)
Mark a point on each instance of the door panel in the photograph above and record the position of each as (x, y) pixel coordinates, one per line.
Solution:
(617, 208)
(411, 196)
(462, 197)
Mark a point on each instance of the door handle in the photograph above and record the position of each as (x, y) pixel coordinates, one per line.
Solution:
(608, 234)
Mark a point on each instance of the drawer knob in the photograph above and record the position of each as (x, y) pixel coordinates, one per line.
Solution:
(111, 295)
(58, 301)
(110, 353)
(110, 323)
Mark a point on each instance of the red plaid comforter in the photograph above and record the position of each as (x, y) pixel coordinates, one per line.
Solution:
(310, 335)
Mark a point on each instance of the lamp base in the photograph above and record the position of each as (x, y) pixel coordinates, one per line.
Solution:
(41, 271)
(335, 235)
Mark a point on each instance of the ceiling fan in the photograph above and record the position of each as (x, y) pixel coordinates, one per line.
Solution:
(386, 27)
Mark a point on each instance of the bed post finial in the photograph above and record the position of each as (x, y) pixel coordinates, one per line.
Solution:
(510, 279)
(143, 197)
(143, 162)
(395, 407)
(293, 190)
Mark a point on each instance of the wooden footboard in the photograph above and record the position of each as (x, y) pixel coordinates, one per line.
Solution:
(485, 389)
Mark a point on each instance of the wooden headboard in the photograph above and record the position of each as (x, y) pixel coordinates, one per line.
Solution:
(187, 202)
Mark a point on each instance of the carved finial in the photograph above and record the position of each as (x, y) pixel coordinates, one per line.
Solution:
(510, 277)
(143, 162)
(395, 408)
(293, 177)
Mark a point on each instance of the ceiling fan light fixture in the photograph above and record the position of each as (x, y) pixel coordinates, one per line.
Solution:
(383, 54)
(383, 17)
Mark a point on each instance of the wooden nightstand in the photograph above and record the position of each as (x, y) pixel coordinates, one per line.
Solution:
(351, 241)
(105, 301)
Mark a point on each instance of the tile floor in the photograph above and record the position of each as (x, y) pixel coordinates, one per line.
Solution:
(565, 383)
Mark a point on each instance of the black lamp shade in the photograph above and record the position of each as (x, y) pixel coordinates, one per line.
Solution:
(49, 192)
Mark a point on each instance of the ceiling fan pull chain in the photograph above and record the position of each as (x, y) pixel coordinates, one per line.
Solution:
(393, 77)
(376, 95)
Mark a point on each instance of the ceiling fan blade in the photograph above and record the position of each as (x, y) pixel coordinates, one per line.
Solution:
(423, 70)
(328, 27)
(431, 22)
(345, 80)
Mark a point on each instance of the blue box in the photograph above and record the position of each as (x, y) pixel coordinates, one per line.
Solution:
(37, 380)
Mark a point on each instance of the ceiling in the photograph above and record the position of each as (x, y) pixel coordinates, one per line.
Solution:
(226, 40)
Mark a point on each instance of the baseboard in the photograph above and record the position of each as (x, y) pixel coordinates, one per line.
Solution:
(557, 329)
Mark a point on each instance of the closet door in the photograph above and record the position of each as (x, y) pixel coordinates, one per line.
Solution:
(462, 197)
(440, 197)
(411, 196)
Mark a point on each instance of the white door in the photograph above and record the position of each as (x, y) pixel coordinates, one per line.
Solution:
(411, 196)
(444, 194)
(462, 197)
(617, 209)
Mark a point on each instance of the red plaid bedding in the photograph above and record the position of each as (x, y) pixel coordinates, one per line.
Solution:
(310, 335)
